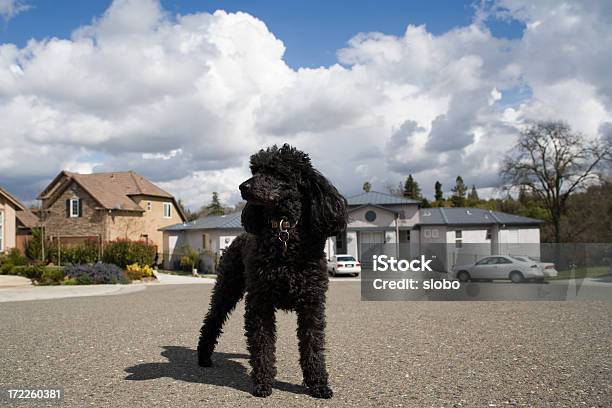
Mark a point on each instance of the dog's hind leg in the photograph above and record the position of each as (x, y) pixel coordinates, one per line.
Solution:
(228, 290)
(260, 327)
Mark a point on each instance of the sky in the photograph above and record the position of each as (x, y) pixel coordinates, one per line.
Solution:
(184, 92)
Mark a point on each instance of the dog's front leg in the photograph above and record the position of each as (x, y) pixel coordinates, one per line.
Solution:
(311, 336)
(260, 326)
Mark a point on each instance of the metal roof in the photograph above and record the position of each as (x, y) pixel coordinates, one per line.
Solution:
(427, 216)
(467, 216)
(228, 221)
(355, 208)
(374, 197)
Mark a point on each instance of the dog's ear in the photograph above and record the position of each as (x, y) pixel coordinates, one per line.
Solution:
(327, 206)
(252, 218)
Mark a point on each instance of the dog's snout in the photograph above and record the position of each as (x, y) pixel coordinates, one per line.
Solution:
(245, 186)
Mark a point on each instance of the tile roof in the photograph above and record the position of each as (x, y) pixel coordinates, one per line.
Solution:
(112, 190)
(374, 197)
(22, 213)
(228, 221)
(27, 218)
(467, 216)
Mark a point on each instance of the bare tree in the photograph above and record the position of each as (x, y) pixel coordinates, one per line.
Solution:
(551, 161)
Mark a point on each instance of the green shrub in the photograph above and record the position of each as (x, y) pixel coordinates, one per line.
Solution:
(70, 282)
(7, 268)
(14, 257)
(83, 280)
(52, 276)
(86, 252)
(33, 249)
(124, 252)
(190, 259)
(34, 272)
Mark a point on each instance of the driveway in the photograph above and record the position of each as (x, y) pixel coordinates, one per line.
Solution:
(138, 350)
(12, 281)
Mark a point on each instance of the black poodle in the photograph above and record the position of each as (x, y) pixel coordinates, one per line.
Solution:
(279, 262)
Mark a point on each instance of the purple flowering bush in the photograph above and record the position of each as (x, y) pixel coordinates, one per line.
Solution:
(99, 273)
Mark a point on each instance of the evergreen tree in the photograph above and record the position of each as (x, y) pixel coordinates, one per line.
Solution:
(215, 207)
(439, 195)
(189, 215)
(367, 186)
(425, 203)
(412, 189)
(473, 195)
(458, 197)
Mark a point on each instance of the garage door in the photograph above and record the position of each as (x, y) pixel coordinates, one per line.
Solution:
(372, 237)
(370, 243)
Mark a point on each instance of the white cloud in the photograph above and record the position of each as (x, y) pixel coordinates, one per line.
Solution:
(10, 8)
(186, 99)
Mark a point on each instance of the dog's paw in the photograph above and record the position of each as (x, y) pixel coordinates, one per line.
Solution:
(320, 391)
(204, 361)
(262, 390)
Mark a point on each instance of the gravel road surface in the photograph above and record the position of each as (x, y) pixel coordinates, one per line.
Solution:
(138, 349)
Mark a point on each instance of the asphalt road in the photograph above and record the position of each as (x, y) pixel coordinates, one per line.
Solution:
(138, 349)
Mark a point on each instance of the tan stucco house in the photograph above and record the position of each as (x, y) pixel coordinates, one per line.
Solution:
(107, 206)
(16, 222)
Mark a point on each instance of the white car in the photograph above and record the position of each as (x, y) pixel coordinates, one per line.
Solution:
(515, 268)
(548, 268)
(344, 265)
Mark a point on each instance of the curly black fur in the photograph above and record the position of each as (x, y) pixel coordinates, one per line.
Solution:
(284, 186)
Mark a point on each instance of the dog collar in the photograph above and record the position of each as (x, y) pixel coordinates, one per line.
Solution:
(283, 225)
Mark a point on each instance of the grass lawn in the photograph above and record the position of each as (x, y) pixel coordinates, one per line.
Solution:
(187, 273)
(589, 272)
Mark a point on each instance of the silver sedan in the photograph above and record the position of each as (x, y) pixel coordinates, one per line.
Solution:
(515, 268)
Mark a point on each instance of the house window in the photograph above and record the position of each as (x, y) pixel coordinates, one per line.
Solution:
(1, 231)
(427, 233)
(75, 208)
(167, 210)
(370, 216)
(489, 234)
(148, 206)
(434, 233)
(458, 239)
(205, 241)
(340, 243)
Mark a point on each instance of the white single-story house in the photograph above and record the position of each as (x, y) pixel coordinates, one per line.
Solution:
(208, 235)
(458, 236)
(381, 223)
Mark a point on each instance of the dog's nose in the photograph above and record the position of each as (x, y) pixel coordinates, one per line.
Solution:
(246, 186)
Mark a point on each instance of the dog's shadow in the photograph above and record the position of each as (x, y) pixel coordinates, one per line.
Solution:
(182, 365)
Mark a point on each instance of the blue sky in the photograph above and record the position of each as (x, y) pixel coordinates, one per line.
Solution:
(312, 31)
